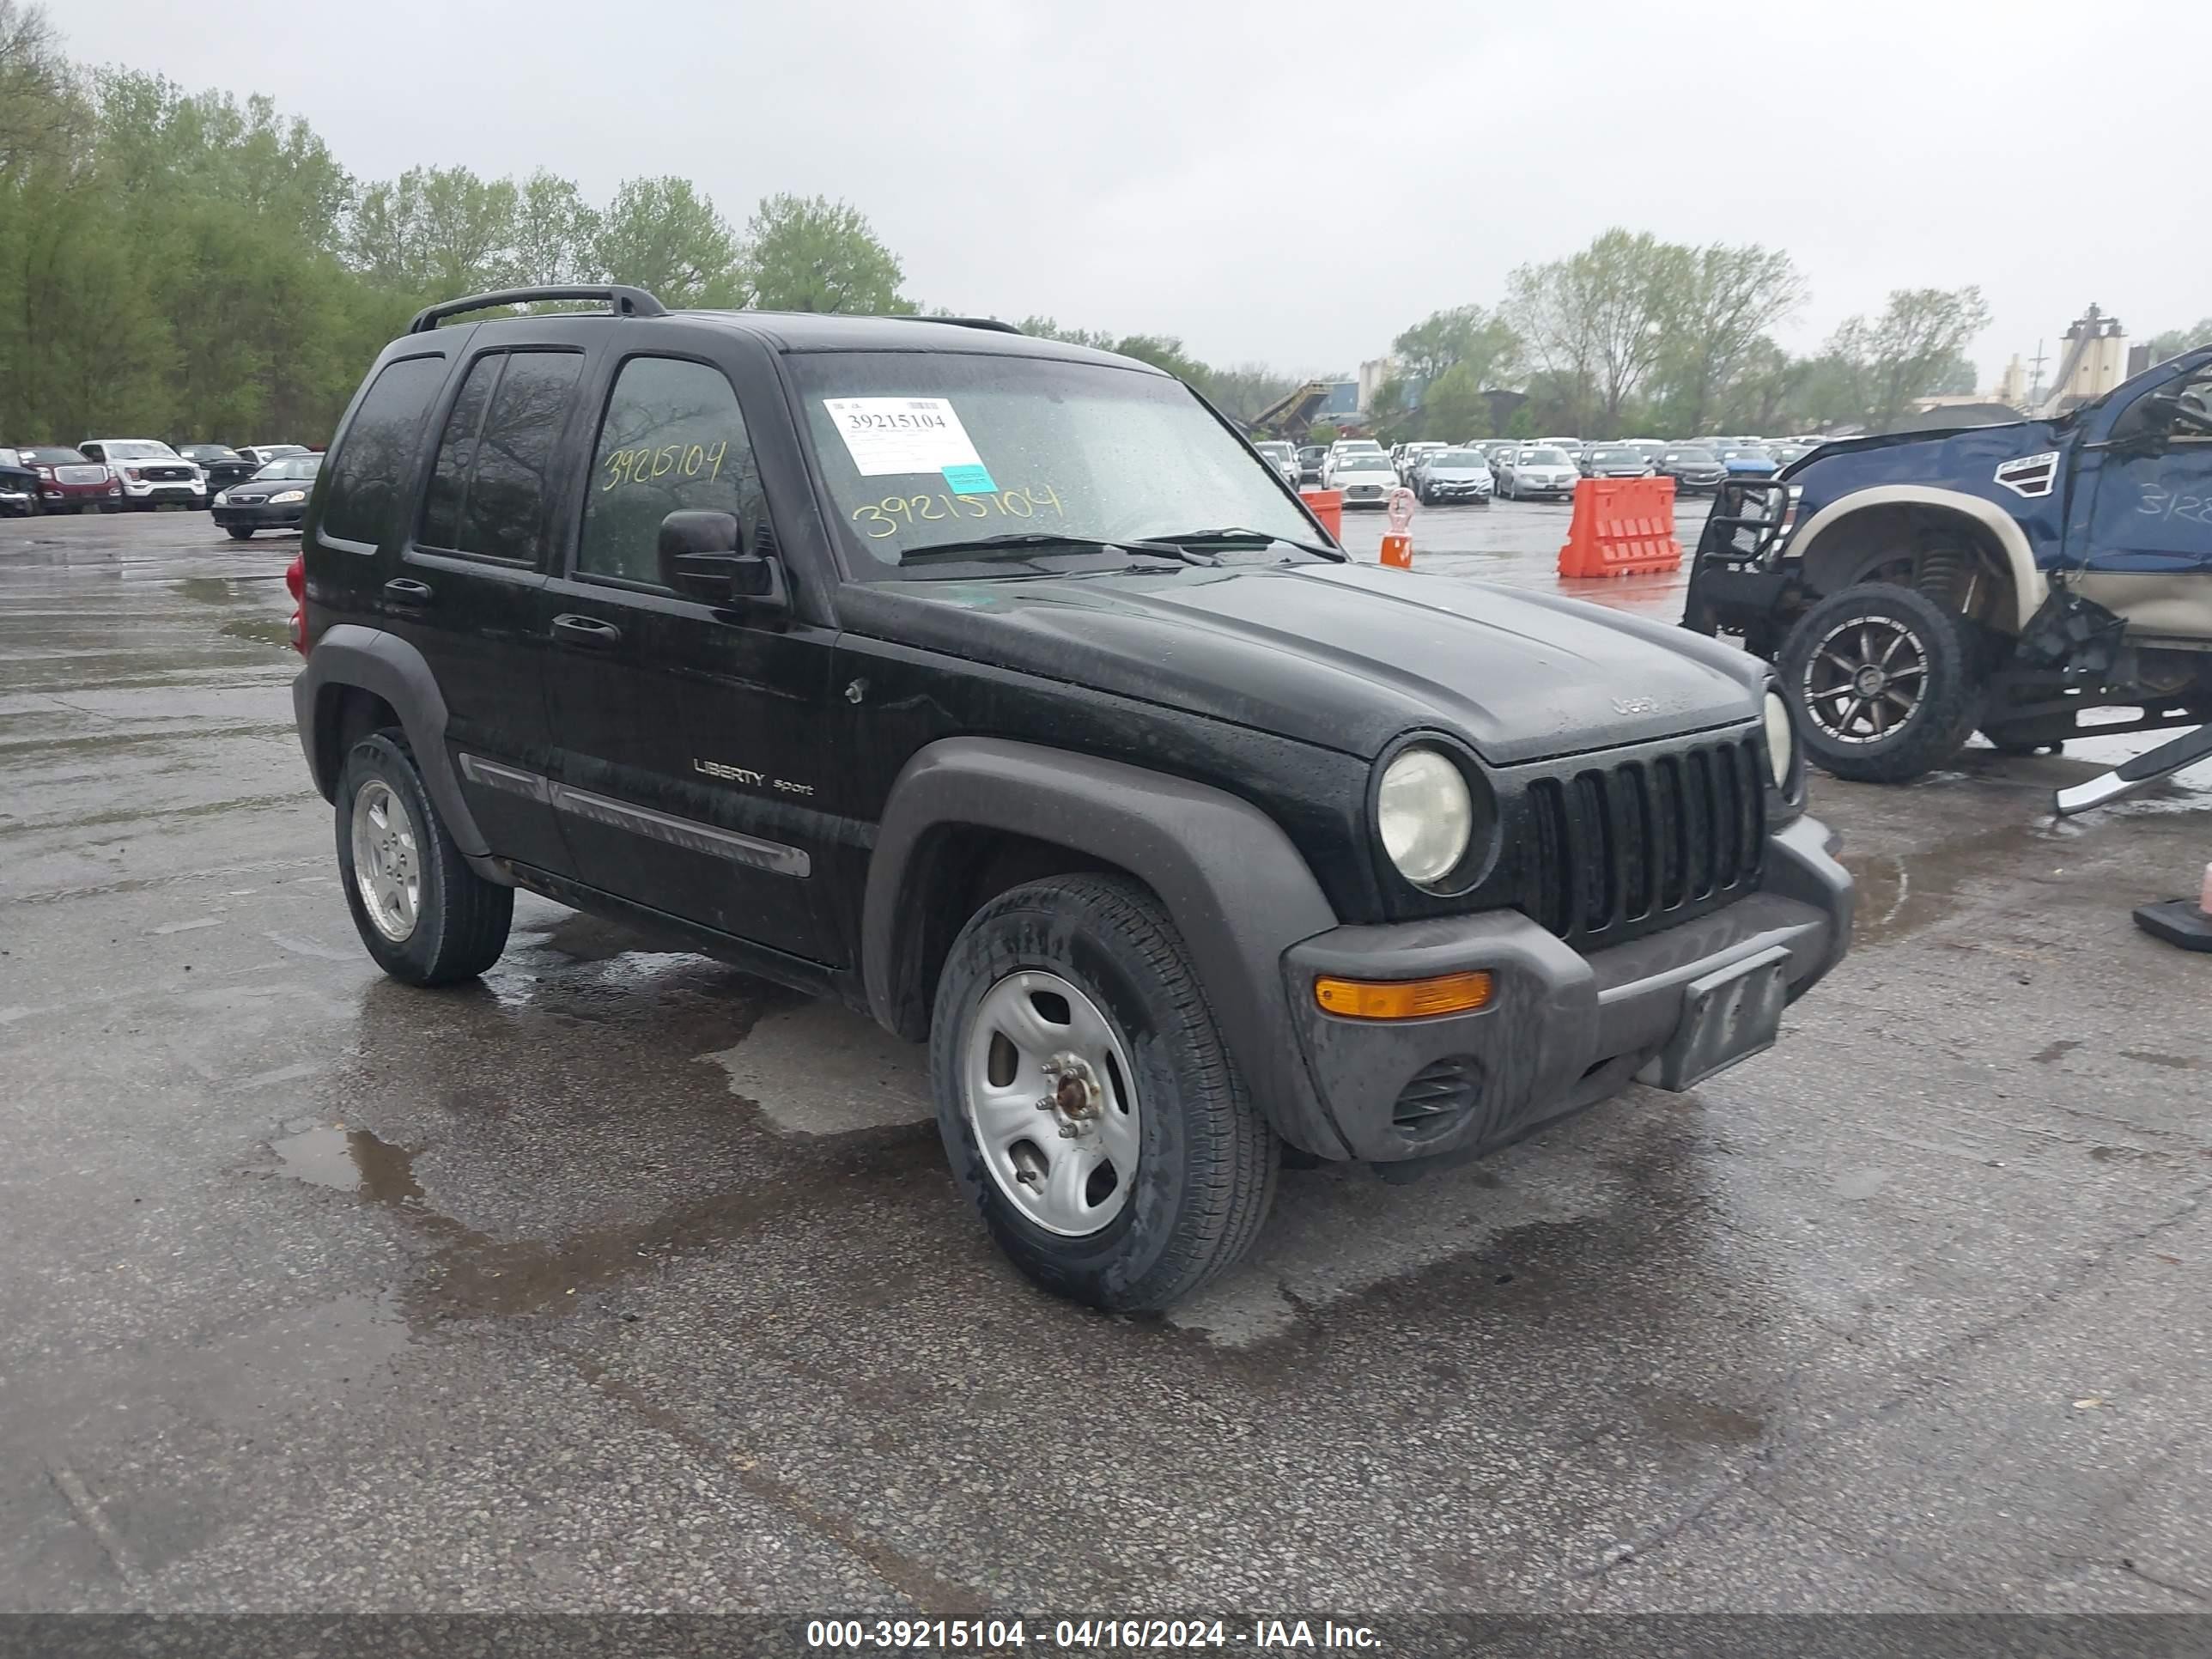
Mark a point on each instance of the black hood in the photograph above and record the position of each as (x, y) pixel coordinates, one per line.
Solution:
(1345, 657)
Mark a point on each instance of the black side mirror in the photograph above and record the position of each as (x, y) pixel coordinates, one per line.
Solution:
(702, 558)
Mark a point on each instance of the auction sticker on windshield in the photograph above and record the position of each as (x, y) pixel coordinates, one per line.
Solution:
(888, 436)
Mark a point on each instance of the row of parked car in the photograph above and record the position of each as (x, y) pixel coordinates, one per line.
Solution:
(1523, 469)
(252, 487)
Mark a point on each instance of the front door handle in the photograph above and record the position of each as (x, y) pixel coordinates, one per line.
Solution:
(572, 629)
(401, 589)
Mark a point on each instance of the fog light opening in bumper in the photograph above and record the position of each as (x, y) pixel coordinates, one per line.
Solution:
(1403, 999)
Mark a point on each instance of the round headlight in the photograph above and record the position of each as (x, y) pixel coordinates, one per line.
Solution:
(1425, 815)
(1781, 739)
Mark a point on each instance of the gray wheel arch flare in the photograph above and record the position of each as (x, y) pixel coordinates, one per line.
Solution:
(349, 654)
(1239, 893)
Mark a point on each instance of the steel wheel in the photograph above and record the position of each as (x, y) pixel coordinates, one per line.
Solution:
(1865, 678)
(386, 866)
(1046, 1084)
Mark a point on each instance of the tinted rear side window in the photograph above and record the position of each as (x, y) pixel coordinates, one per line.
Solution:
(370, 467)
(457, 454)
(487, 491)
(505, 511)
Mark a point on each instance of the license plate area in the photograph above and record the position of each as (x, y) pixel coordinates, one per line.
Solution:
(1727, 1016)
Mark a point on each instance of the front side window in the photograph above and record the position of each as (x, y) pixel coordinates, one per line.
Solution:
(925, 450)
(370, 465)
(672, 439)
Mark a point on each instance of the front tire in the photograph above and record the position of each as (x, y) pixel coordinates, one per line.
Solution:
(1884, 681)
(240, 532)
(421, 913)
(1149, 1170)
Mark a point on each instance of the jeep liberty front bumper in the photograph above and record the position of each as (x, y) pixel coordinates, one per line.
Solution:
(1562, 1030)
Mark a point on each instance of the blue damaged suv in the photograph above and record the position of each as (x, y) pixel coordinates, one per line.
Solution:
(1913, 587)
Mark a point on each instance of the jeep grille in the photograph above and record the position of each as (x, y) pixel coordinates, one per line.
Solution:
(1621, 850)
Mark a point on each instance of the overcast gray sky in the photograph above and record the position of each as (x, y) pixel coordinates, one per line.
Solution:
(1296, 183)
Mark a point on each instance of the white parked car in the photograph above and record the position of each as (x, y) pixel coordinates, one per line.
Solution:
(1285, 457)
(1537, 470)
(150, 472)
(1410, 456)
(1365, 476)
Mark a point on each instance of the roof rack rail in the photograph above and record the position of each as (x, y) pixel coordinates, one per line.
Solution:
(991, 323)
(624, 300)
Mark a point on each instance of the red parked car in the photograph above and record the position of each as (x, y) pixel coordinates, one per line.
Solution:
(70, 483)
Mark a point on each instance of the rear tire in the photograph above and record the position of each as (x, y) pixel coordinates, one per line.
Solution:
(421, 913)
(1885, 681)
(1168, 1100)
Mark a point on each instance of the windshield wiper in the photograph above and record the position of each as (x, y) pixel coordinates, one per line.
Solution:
(1240, 536)
(1025, 542)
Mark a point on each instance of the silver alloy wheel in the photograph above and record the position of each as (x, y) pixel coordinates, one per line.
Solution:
(386, 867)
(1864, 680)
(1047, 1089)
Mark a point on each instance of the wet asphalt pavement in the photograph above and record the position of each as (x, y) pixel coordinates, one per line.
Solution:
(623, 1279)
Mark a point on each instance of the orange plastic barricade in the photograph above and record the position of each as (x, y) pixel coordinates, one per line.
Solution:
(1328, 506)
(1622, 527)
(1398, 550)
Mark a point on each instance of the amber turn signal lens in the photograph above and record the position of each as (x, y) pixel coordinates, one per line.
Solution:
(1403, 999)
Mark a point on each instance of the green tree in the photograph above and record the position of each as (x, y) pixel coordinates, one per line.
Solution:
(1905, 352)
(1243, 391)
(2175, 341)
(554, 235)
(1162, 351)
(43, 114)
(1468, 335)
(1729, 298)
(1600, 318)
(663, 235)
(810, 253)
(1453, 408)
(436, 233)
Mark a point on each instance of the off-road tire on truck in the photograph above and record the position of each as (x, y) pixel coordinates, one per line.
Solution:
(1205, 1158)
(453, 923)
(1906, 717)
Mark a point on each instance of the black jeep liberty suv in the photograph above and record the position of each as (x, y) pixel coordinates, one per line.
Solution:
(1000, 688)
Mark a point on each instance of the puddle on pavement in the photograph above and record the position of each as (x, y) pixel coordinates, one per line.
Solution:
(474, 1275)
(1899, 894)
(263, 630)
(350, 1161)
(1703, 1422)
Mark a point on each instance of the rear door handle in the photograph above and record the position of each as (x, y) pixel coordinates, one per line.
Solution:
(402, 590)
(571, 629)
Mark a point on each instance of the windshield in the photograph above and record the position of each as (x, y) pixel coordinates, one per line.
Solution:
(1744, 452)
(1545, 458)
(292, 466)
(1455, 457)
(925, 449)
(1616, 456)
(1691, 455)
(1279, 452)
(1360, 461)
(54, 456)
(209, 453)
(135, 451)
